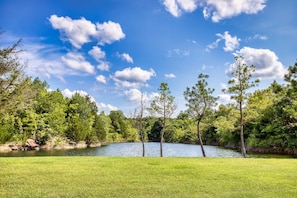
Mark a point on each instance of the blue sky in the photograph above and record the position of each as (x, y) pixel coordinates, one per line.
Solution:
(115, 49)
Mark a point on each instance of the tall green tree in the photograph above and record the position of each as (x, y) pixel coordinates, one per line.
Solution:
(200, 102)
(163, 105)
(80, 118)
(101, 126)
(291, 76)
(13, 81)
(240, 82)
(139, 113)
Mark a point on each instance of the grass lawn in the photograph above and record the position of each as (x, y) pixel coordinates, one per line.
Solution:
(147, 177)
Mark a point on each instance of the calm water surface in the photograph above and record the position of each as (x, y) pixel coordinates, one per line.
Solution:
(152, 149)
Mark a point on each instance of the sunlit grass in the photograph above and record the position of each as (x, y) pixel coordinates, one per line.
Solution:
(147, 177)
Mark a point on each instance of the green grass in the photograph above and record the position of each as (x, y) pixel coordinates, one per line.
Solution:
(147, 177)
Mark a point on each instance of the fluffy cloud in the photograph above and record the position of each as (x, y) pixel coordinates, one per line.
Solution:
(132, 77)
(134, 95)
(266, 62)
(108, 32)
(97, 53)
(172, 7)
(126, 57)
(106, 107)
(77, 32)
(219, 10)
(101, 79)
(81, 31)
(103, 66)
(177, 7)
(67, 93)
(170, 76)
(231, 42)
(77, 61)
(215, 9)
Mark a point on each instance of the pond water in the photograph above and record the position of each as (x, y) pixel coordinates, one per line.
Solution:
(152, 149)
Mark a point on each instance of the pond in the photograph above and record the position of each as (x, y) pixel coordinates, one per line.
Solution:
(152, 149)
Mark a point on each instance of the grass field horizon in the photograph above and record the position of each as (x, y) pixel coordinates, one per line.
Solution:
(147, 177)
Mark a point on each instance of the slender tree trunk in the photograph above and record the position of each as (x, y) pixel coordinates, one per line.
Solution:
(243, 151)
(143, 149)
(200, 138)
(142, 141)
(141, 124)
(161, 138)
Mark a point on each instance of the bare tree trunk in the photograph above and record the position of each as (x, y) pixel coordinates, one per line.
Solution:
(243, 151)
(161, 138)
(200, 138)
(161, 142)
(143, 149)
(142, 141)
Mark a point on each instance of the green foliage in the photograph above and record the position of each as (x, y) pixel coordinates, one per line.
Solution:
(79, 118)
(6, 127)
(238, 86)
(200, 102)
(101, 126)
(12, 79)
(163, 105)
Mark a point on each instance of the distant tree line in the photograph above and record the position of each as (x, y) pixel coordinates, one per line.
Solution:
(262, 121)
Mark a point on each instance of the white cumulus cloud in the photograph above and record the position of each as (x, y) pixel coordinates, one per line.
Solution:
(216, 9)
(222, 9)
(97, 53)
(67, 93)
(177, 7)
(106, 107)
(134, 95)
(265, 61)
(108, 32)
(81, 31)
(77, 61)
(101, 79)
(132, 77)
(231, 42)
(126, 57)
(103, 66)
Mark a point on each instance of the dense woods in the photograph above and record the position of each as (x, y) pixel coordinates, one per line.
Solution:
(29, 109)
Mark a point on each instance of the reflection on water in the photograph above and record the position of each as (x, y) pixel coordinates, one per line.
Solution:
(152, 149)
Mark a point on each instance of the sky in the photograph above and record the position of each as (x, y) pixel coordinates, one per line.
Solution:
(114, 50)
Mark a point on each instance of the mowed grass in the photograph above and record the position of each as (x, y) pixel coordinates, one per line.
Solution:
(147, 177)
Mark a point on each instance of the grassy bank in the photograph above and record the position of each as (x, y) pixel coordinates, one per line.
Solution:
(147, 177)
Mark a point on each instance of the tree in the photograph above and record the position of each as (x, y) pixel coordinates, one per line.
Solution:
(163, 105)
(291, 76)
(101, 126)
(80, 118)
(238, 86)
(225, 124)
(12, 79)
(139, 118)
(199, 102)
